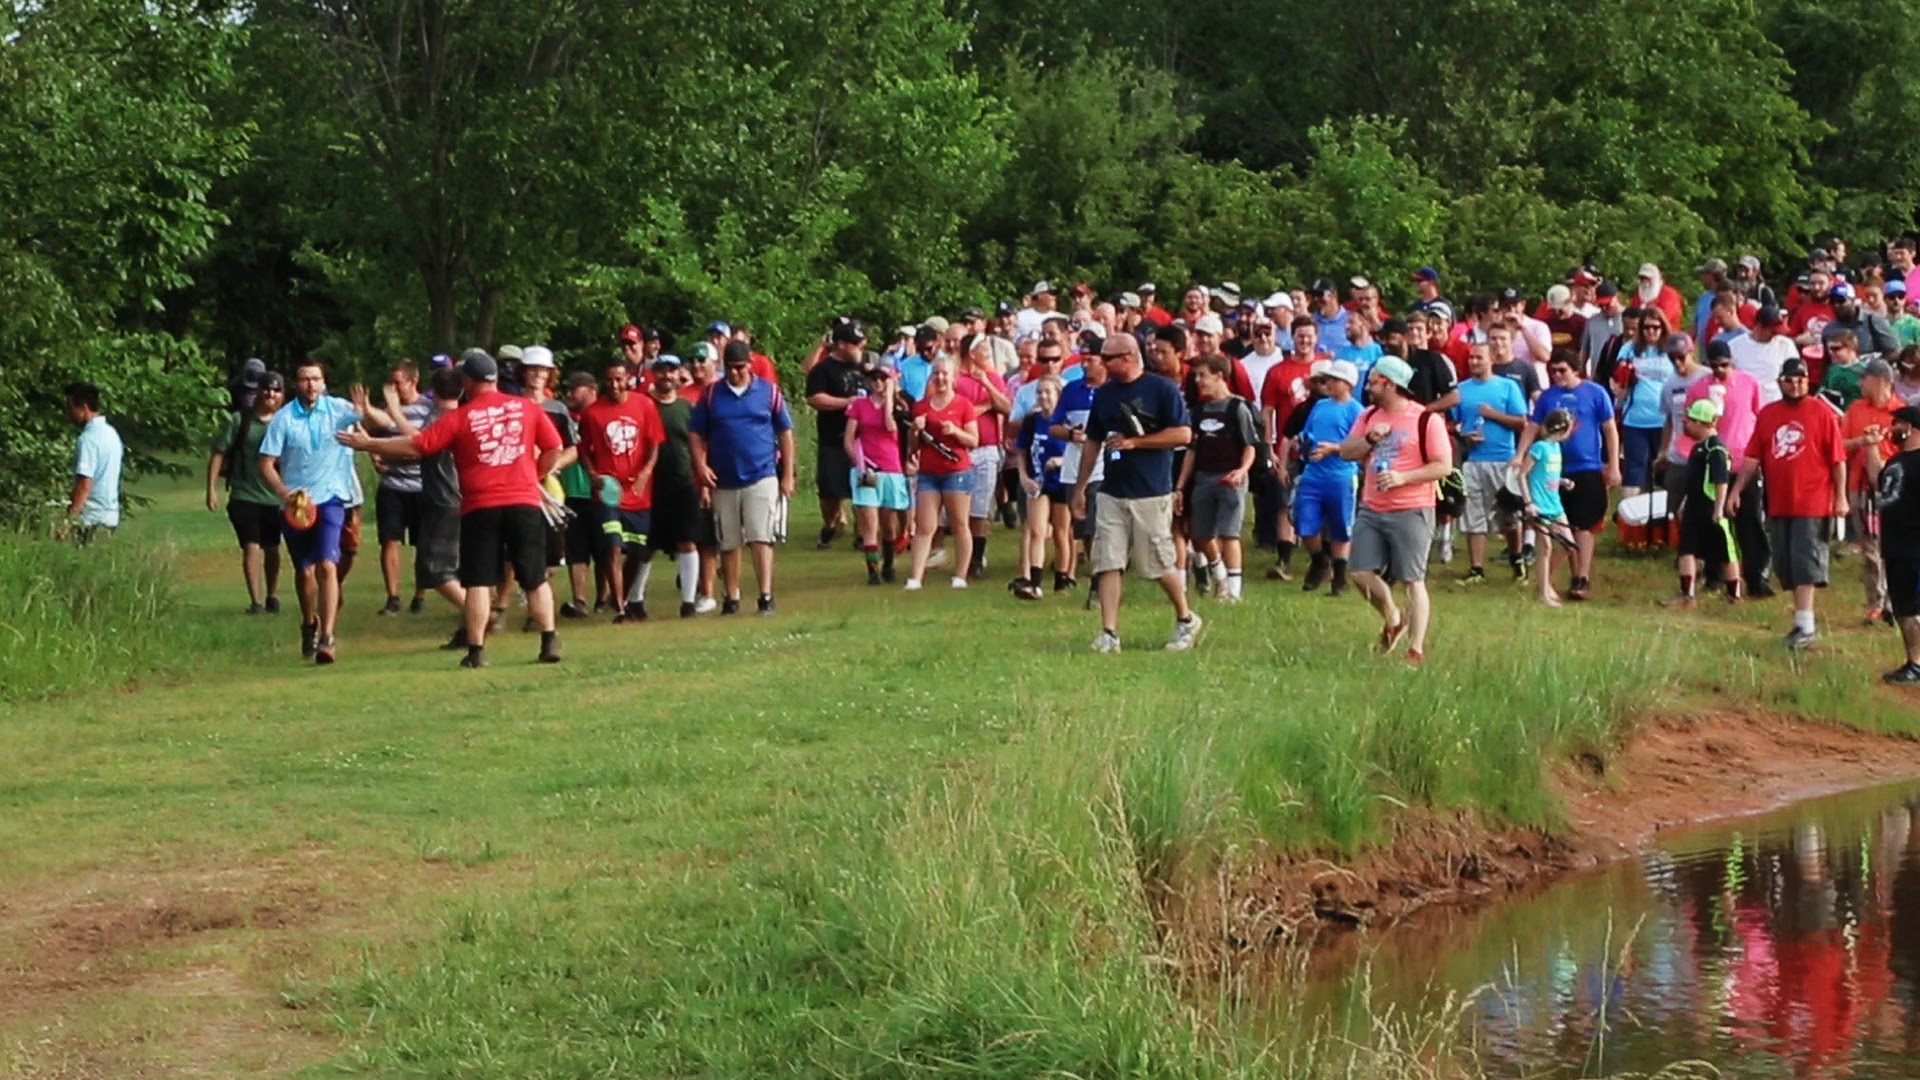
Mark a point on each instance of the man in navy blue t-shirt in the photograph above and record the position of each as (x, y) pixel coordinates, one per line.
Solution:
(1591, 456)
(1136, 422)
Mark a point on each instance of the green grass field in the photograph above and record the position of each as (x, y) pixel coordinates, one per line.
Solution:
(879, 834)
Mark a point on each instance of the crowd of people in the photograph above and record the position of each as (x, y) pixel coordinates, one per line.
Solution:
(1121, 435)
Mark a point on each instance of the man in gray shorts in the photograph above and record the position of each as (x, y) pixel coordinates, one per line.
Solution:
(1406, 450)
(1212, 490)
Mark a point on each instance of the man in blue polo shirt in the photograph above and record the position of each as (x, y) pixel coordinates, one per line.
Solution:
(299, 453)
(97, 455)
(1591, 456)
(741, 436)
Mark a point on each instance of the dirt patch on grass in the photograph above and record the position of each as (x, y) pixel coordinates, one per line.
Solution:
(1677, 770)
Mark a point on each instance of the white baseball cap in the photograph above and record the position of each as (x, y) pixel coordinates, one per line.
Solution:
(1209, 324)
(1342, 370)
(1280, 299)
(536, 356)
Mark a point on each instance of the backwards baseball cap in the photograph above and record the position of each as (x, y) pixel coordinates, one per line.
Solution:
(1559, 296)
(1794, 368)
(1347, 373)
(1704, 411)
(1678, 344)
(630, 335)
(537, 356)
(1391, 368)
(1510, 295)
(845, 332)
(1426, 273)
(1003, 307)
(737, 352)
(1908, 415)
(1769, 316)
(475, 364)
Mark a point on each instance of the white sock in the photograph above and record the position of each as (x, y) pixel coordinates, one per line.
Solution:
(688, 563)
(637, 592)
(1803, 622)
(1216, 570)
(1233, 584)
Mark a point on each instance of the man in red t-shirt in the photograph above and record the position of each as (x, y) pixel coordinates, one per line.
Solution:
(1868, 422)
(503, 447)
(620, 438)
(1287, 387)
(1797, 450)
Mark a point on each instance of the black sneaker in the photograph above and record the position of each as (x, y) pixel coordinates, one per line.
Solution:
(574, 610)
(766, 605)
(309, 635)
(255, 609)
(1799, 640)
(636, 611)
(1062, 583)
(550, 650)
(418, 606)
(1339, 587)
(1317, 573)
(886, 573)
(873, 575)
(457, 641)
(392, 606)
(273, 605)
(827, 536)
(687, 609)
(1904, 675)
(475, 658)
(1760, 590)
(1579, 589)
(493, 621)
(730, 606)
(1528, 556)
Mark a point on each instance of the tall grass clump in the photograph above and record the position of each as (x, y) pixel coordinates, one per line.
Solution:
(88, 616)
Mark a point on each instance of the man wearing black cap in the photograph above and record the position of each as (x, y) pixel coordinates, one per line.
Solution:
(1329, 316)
(502, 447)
(1897, 484)
(1797, 450)
(833, 385)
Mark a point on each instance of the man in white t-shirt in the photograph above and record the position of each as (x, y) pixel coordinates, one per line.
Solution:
(1044, 302)
(1264, 356)
(1762, 350)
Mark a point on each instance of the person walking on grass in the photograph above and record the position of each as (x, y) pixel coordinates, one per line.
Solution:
(93, 507)
(742, 439)
(1212, 489)
(1896, 483)
(1545, 510)
(1798, 453)
(621, 435)
(1491, 411)
(252, 509)
(1591, 457)
(677, 524)
(396, 503)
(1136, 421)
(503, 448)
(436, 548)
(1706, 530)
(879, 475)
(1039, 456)
(946, 428)
(1323, 501)
(311, 473)
(1869, 420)
(1407, 452)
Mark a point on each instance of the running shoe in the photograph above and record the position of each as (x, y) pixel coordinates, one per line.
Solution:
(417, 606)
(573, 610)
(704, 606)
(731, 606)
(766, 605)
(912, 585)
(309, 637)
(323, 650)
(1800, 640)
(273, 605)
(1186, 633)
(392, 606)
(1904, 675)
(1107, 642)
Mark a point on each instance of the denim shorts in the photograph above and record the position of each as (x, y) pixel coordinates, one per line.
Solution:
(956, 483)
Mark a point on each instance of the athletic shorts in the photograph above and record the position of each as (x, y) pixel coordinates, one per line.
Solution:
(889, 491)
(1481, 512)
(1323, 506)
(583, 531)
(322, 543)
(1638, 449)
(745, 515)
(499, 536)
(1799, 550)
(436, 546)
(1707, 540)
(1216, 511)
(627, 528)
(1585, 502)
(1903, 585)
(254, 523)
(676, 518)
(830, 478)
(986, 478)
(954, 483)
(1392, 542)
(1136, 532)
(397, 515)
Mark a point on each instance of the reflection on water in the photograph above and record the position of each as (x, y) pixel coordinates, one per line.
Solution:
(1787, 945)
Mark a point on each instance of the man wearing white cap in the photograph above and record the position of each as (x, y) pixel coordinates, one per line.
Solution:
(1323, 501)
(1654, 292)
(1044, 301)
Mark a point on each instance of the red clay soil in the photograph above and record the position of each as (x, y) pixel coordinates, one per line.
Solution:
(1677, 770)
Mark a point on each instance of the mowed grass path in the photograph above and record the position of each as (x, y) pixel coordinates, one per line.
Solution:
(867, 836)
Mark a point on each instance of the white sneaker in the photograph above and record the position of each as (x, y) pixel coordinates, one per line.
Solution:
(1106, 643)
(959, 582)
(1185, 634)
(705, 605)
(912, 585)
(937, 557)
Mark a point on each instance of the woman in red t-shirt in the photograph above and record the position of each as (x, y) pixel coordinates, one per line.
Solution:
(946, 428)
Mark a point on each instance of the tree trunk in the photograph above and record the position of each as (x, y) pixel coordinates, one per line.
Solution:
(483, 331)
(442, 317)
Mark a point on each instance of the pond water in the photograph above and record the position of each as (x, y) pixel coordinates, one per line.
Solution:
(1781, 945)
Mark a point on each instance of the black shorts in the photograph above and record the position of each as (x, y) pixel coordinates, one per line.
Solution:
(1903, 585)
(676, 519)
(397, 514)
(834, 477)
(254, 523)
(491, 539)
(1704, 539)
(706, 534)
(436, 546)
(1586, 501)
(583, 531)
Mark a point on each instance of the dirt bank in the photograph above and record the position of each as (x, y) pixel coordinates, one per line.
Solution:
(1677, 770)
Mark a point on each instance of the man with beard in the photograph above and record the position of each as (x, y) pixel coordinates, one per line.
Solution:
(1434, 384)
(1872, 333)
(831, 386)
(1604, 326)
(1797, 450)
(1329, 317)
(1654, 292)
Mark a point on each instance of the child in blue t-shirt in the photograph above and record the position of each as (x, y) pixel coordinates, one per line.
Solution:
(1545, 512)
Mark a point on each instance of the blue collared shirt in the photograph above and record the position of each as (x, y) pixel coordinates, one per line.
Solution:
(311, 460)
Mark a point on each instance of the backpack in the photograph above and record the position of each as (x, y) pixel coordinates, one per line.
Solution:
(228, 455)
(1263, 447)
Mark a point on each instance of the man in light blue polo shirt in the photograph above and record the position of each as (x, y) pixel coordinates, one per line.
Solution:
(97, 455)
(299, 453)
(1491, 413)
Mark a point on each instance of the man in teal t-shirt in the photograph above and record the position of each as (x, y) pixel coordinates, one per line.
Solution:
(1491, 413)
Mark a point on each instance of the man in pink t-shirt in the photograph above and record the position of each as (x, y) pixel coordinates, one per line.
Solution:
(1406, 451)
